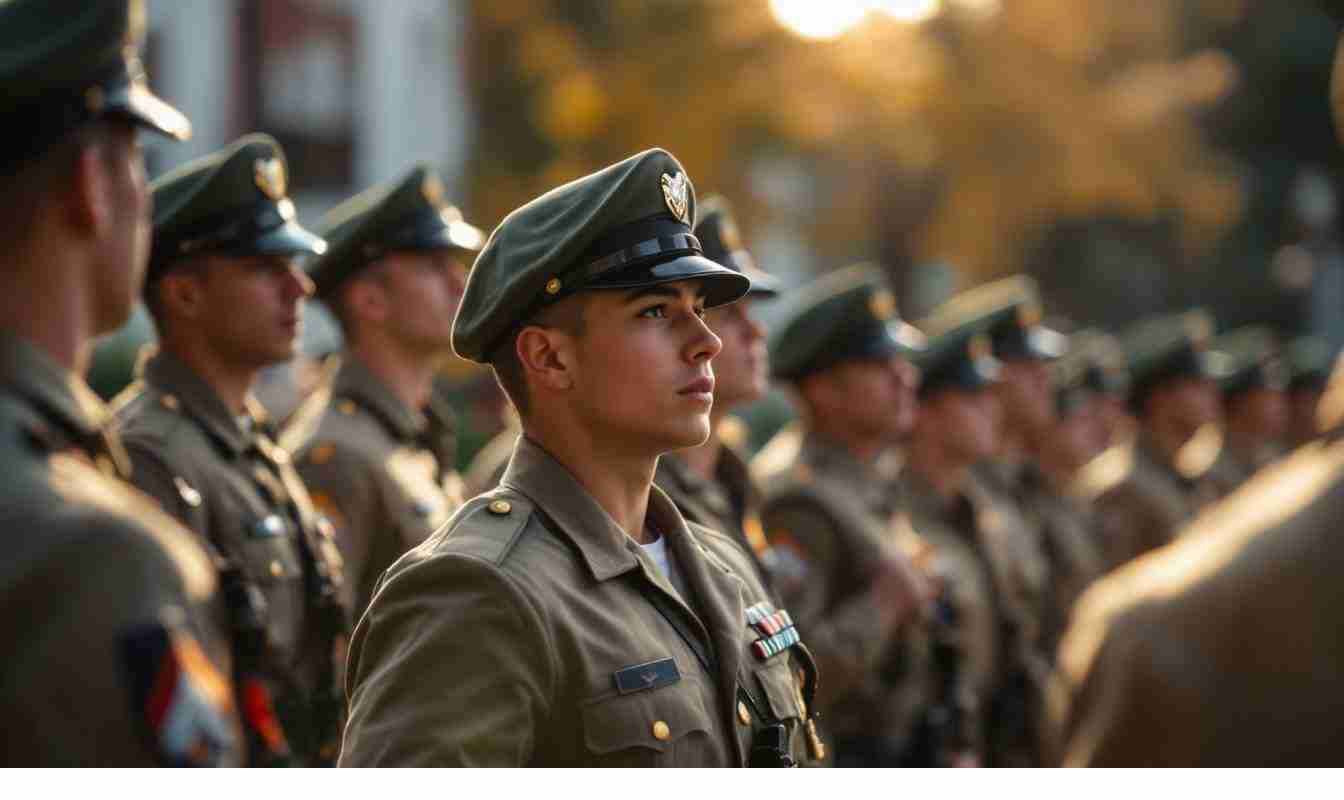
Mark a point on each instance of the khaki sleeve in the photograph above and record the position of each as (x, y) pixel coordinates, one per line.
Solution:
(343, 490)
(846, 639)
(117, 671)
(450, 666)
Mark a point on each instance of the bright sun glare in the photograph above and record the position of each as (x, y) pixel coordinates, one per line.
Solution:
(828, 19)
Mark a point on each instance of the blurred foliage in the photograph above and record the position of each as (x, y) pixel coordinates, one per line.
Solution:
(978, 131)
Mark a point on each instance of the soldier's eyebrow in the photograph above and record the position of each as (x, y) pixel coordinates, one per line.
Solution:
(661, 290)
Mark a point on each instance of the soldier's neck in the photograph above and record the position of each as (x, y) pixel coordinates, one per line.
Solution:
(410, 376)
(52, 312)
(616, 476)
(703, 460)
(945, 475)
(231, 381)
(864, 447)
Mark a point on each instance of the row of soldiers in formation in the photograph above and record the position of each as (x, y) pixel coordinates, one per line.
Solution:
(887, 584)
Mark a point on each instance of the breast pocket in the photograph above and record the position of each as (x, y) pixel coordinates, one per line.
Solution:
(776, 682)
(663, 727)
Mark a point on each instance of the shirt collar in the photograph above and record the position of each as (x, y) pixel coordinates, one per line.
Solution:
(356, 382)
(169, 375)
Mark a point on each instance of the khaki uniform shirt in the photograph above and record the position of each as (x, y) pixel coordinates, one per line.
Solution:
(832, 521)
(1141, 499)
(1225, 649)
(102, 596)
(370, 464)
(728, 504)
(996, 578)
(231, 484)
(1069, 538)
(526, 631)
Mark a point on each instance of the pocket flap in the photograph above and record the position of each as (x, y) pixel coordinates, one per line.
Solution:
(781, 690)
(653, 719)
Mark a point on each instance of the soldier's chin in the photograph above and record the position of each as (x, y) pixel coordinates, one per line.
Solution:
(693, 431)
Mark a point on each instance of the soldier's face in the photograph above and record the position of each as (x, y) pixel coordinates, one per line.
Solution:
(423, 292)
(1261, 411)
(1024, 390)
(967, 422)
(1302, 413)
(251, 309)
(1079, 436)
(877, 396)
(1189, 403)
(641, 367)
(129, 226)
(741, 369)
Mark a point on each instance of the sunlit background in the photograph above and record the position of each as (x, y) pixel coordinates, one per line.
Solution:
(1134, 156)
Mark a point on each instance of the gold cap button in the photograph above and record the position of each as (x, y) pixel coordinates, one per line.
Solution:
(169, 401)
(661, 732)
(346, 407)
(500, 507)
(552, 286)
(743, 715)
(276, 569)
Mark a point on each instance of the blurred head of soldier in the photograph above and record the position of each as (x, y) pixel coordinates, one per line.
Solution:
(396, 265)
(960, 416)
(1078, 432)
(1255, 401)
(1174, 375)
(225, 287)
(73, 98)
(1106, 374)
(1309, 361)
(742, 367)
(589, 304)
(847, 353)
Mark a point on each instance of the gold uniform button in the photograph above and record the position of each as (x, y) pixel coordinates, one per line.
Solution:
(553, 286)
(661, 732)
(170, 402)
(500, 507)
(276, 569)
(743, 715)
(802, 704)
(346, 407)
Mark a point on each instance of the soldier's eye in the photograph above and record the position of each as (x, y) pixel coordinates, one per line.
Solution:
(654, 312)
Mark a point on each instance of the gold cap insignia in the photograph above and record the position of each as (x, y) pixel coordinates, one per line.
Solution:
(269, 173)
(978, 347)
(1199, 330)
(882, 305)
(432, 188)
(136, 23)
(1029, 315)
(676, 192)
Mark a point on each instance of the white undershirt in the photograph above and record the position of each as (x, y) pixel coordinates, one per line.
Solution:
(657, 550)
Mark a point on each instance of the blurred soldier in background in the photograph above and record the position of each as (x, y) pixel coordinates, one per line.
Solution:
(224, 290)
(1146, 490)
(1107, 375)
(112, 658)
(710, 484)
(1308, 360)
(986, 554)
(371, 444)
(1067, 524)
(572, 616)
(833, 518)
(1255, 407)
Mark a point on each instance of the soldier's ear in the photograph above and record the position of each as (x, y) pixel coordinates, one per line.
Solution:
(181, 293)
(365, 298)
(546, 355)
(92, 199)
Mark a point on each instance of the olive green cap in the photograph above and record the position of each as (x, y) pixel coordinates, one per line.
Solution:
(233, 202)
(1170, 348)
(1009, 311)
(722, 243)
(1309, 360)
(64, 63)
(959, 356)
(1071, 375)
(624, 227)
(1105, 370)
(406, 215)
(847, 315)
(1256, 360)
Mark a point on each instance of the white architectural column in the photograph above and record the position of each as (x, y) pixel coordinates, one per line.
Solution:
(195, 70)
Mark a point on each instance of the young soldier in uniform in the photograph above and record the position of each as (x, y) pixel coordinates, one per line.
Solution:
(992, 573)
(224, 291)
(112, 659)
(1107, 376)
(367, 445)
(710, 484)
(1255, 407)
(1067, 524)
(832, 515)
(572, 616)
(1146, 490)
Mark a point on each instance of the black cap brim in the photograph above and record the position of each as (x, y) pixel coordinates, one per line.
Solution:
(721, 285)
(289, 239)
(763, 284)
(434, 232)
(137, 102)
